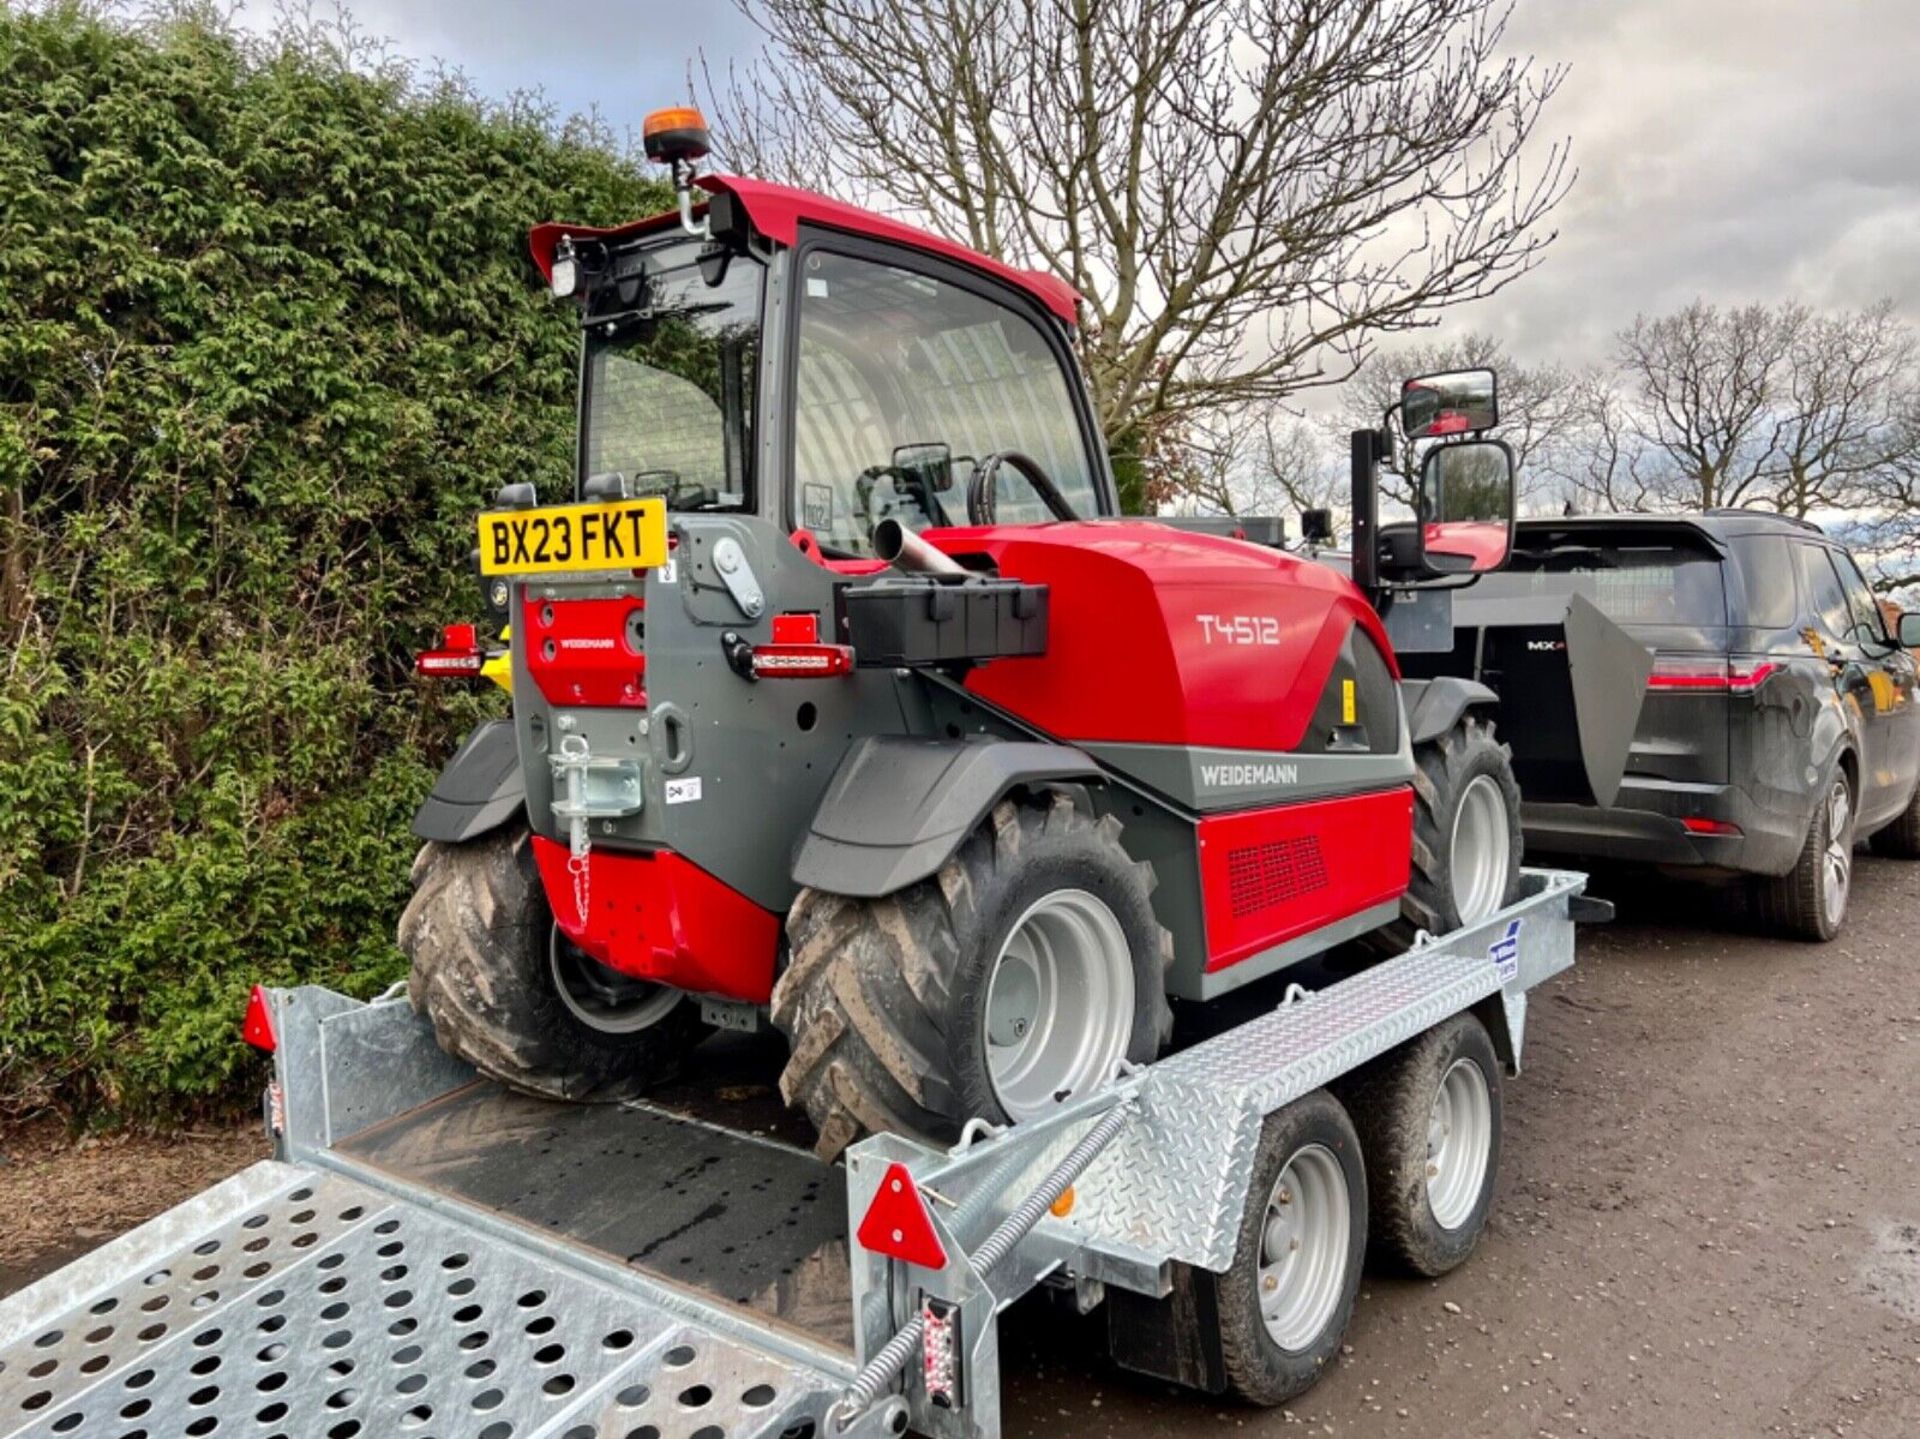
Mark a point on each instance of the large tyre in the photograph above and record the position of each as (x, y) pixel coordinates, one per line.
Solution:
(1429, 1116)
(1901, 839)
(1466, 833)
(1028, 967)
(1810, 900)
(1285, 1302)
(507, 994)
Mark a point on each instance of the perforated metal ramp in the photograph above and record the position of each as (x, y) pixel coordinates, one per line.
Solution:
(745, 1221)
(292, 1302)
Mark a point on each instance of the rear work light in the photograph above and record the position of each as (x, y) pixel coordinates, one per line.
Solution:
(796, 652)
(459, 653)
(801, 662)
(1702, 674)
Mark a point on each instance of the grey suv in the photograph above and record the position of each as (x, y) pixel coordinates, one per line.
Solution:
(1780, 721)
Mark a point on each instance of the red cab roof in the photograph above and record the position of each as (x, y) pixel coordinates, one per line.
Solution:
(778, 211)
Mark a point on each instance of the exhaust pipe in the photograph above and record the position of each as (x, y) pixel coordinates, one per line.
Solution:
(904, 550)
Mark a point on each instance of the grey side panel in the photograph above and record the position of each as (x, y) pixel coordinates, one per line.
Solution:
(478, 791)
(898, 807)
(1207, 779)
(1609, 670)
(1435, 706)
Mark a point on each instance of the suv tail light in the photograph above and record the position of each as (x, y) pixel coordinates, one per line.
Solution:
(1710, 674)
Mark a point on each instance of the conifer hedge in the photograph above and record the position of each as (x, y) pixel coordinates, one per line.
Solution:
(269, 336)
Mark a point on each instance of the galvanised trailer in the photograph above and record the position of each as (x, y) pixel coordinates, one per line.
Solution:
(429, 1254)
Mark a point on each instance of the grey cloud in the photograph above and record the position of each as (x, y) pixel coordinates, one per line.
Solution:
(1732, 149)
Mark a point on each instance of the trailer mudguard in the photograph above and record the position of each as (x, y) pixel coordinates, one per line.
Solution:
(898, 807)
(1434, 706)
(478, 791)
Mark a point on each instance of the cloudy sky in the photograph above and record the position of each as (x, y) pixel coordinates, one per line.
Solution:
(1732, 149)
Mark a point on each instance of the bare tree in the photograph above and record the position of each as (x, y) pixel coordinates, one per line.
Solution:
(1706, 386)
(1261, 461)
(1600, 463)
(1842, 420)
(1248, 193)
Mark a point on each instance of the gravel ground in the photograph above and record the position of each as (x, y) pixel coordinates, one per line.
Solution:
(1708, 1222)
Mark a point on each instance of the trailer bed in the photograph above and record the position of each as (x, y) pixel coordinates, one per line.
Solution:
(745, 1221)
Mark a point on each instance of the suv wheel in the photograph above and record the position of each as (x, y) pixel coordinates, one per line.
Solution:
(1901, 839)
(1810, 901)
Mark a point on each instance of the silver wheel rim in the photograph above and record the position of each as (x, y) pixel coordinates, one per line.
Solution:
(1481, 844)
(1459, 1143)
(1836, 875)
(1303, 1248)
(1060, 1003)
(604, 999)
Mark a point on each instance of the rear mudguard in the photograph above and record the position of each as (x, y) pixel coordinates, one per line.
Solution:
(478, 791)
(1435, 706)
(898, 808)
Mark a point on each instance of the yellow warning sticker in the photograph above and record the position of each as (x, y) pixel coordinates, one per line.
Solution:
(1347, 710)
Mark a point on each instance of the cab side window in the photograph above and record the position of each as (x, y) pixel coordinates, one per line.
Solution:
(1825, 598)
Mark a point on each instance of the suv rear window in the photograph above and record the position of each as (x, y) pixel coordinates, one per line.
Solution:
(1633, 579)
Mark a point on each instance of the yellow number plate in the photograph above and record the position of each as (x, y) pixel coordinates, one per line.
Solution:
(624, 535)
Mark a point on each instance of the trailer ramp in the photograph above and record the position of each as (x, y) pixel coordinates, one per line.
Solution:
(293, 1301)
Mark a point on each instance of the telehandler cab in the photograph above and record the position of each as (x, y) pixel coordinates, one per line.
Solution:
(842, 694)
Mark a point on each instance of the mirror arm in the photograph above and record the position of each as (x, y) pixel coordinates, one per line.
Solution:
(1366, 448)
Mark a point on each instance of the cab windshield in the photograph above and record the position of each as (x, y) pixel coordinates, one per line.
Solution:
(905, 381)
(671, 350)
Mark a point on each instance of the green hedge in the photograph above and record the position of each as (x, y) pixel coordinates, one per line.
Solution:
(268, 338)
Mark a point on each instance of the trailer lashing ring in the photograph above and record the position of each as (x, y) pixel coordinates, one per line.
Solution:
(332, 1310)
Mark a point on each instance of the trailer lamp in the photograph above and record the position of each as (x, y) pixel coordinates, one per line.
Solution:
(940, 1353)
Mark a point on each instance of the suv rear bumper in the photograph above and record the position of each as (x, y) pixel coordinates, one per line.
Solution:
(1646, 826)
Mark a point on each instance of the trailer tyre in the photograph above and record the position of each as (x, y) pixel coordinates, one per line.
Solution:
(487, 969)
(1429, 1115)
(1285, 1303)
(1027, 967)
(1466, 833)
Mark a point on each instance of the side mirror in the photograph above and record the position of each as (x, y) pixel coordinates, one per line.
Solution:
(1908, 631)
(1459, 402)
(1316, 526)
(1466, 507)
(933, 462)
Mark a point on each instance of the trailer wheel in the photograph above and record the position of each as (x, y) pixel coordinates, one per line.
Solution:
(1466, 833)
(1285, 1302)
(1429, 1116)
(1025, 970)
(507, 993)
(1810, 900)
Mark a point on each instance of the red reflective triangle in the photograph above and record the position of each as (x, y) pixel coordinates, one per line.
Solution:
(897, 1224)
(258, 1028)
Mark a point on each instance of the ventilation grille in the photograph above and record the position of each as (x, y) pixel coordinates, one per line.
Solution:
(1263, 876)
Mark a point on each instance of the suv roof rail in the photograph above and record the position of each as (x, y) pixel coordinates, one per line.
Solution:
(1741, 512)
